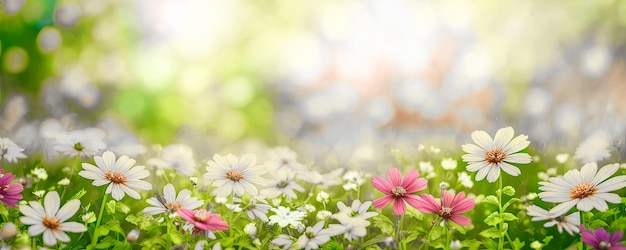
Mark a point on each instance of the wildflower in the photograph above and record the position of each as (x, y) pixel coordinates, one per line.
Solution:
(40, 173)
(283, 184)
(120, 174)
(455, 244)
(178, 157)
(84, 143)
(50, 220)
(354, 176)
(169, 202)
(88, 217)
(448, 164)
(562, 158)
(357, 209)
(9, 230)
(601, 239)
(489, 155)
(314, 237)
(10, 151)
(570, 222)
(10, 193)
(283, 217)
(352, 228)
(283, 240)
(449, 208)
(283, 158)
(322, 197)
(323, 214)
(233, 175)
(428, 169)
(465, 180)
(133, 235)
(594, 148)
(202, 220)
(250, 229)
(397, 190)
(257, 208)
(586, 189)
(39, 193)
(64, 182)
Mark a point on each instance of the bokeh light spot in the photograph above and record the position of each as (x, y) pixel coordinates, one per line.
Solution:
(15, 60)
(130, 103)
(239, 91)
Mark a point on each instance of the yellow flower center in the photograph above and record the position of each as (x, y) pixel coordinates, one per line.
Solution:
(583, 190)
(174, 205)
(199, 216)
(115, 177)
(51, 223)
(398, 191)
(495, 156)
(234, 175)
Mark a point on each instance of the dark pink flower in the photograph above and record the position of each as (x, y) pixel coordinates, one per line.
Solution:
(450, 207)
(203, 220)
(601, 239)
(10, 193)
(398, 190)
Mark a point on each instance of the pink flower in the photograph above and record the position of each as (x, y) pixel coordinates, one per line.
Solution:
(9, 192)
(398, 191)
(450, 208)
(601, 239)
(202, 220)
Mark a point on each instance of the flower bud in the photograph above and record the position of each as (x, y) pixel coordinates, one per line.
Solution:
(132, 236)
(8, 231)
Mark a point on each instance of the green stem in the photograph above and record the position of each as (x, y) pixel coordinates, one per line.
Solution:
(430, 232)
(582, 222)
(500, 210)
(169, 237)
(94, 238)
(398, 226)
(448, 238)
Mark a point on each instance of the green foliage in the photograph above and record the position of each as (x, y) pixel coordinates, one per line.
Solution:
(383, 223)
(508, 190)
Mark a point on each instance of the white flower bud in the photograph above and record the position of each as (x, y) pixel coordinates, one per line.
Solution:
(133, 235)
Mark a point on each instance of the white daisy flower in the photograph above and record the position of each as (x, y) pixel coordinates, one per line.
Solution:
(352, 228)
(10, 151)
(283, 183)
(594, 148)
(84, 143)
(258, 208)
(357, 209)
(586, 189)
(285, 217)
(232, 175)
(283, 158)
(314, 237)
(170, 202)
(284, 241)
(448, 164)
(489, 155)
(178, 157)
(465, 179)
(50, 220)
(570, 223)
(120, 174)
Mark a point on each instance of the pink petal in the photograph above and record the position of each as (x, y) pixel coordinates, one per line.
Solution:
(399, 208)
(416, 185)
(425, 203)
(382, 201)
(395, 177)
(446, 199)
(463, 206)
(461, 220)
(459, 197)
(382, 185)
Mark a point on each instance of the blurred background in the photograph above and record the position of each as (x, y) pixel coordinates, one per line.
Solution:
(341, 82)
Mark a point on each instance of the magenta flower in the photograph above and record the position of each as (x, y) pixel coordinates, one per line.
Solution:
(399, 191)
(202, 220)
(10, 193)
(601, 239)
(450, 207)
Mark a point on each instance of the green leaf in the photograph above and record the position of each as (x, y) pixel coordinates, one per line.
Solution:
(493, 219)
(492, 233)
(122, 208)
(517, 244)
(110, 207)
(472, 244)
(384, 224)
(409, 238)
(491, 200)
(598, 223)
(509, 217)
(414, 213)
(377, 239)
(511, 201)
(101, 231)
(115, 227)
(547, 239)
(458, 227)
(143, 221)
(508, 190)
(104, 245)
(4, 211)
(79, 194)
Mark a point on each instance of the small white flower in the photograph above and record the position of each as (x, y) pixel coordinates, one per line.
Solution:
(221, 199)
(465, 180)
(350, 186)
(178, 157)
(88, 217)
(84, 143)
(9, 230)
(562, 158)
(120, 175)
(170, 202)
(571, 222)
(283, 241)
(595, 148)
(455, 244)
(323, 214)
(307, 208)
(133, 235)
(64, 182)
(258, 209)
(314, 237)
(50, 220)
(10, 151)
(40, 173)
(351, 227)
(283, 158)
(427, 169)
(322, 197)
(250, 229)
(489, 155)
(283, 183)
(354, 177)
(284, 217)
(586, 189)
(448, 164)
(357, 209)
(232, 175)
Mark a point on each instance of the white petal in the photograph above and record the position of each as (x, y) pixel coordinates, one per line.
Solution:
(494, 173)
(51, 203)
(108, 159)
(48, 238)
(132, 193)
(584, 205)
(60, 235)
(598, 203)
(477, 166)
(612, 184)
(473, 149)
(510, 169)
(36, 229)
(503, 136)
(116, 192)
(521, 158)
(482, 173)
(73, 227)
(483, 139)
(517, 144)
(169, 192)
(562, 208)
(68, 210)
(609, 197)
(605, 172)
(588, 171)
